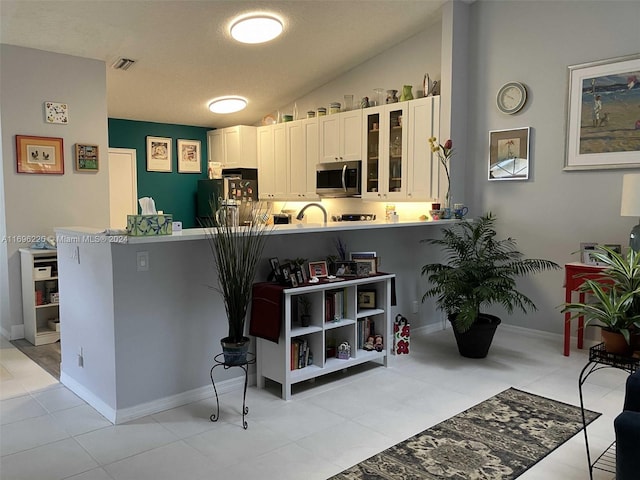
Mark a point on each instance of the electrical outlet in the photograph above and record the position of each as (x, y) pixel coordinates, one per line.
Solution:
(75, 254)
(142, 261)
(415, 306)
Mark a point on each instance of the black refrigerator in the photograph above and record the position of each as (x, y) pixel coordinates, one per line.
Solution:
(211, 194)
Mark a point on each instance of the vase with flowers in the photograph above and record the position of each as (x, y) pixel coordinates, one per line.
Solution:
(445, 152)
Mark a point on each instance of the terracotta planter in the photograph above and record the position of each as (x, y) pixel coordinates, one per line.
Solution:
(615, 343)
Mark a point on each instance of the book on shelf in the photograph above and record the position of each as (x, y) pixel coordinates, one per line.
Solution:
(334, 305)
(366, 328)
(299, 353)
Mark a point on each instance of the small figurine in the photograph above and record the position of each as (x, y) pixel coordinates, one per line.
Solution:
(378, 343)
(369, 345)
(364, 103)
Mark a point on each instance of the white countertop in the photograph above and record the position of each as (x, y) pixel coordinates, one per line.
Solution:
(95, 235)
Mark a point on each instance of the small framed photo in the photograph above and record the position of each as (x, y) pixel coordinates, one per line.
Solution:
(189, 159)
(365, 267)
(318, 269)
(346, 269)
(39, 154)
(586, 249)
(615, 247)
(158, 154)
(87, 158)
(509, 154)
(56, 112)
(366, 299)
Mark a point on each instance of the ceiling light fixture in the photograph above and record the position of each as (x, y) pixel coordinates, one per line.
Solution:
(256, 28)
(227, 104)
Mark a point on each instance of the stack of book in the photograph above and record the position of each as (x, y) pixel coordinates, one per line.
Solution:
(334, 305)
(366, 328)
(299, 353)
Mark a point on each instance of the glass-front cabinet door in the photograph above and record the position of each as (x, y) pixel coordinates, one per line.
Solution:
(385, 140)
(396, 159)
(371, 164)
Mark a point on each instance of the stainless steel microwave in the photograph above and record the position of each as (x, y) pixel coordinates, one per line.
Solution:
(338, 179)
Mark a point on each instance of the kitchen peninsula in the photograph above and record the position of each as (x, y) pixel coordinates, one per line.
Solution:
(141, 321)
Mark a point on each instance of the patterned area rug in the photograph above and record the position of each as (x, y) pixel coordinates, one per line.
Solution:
(497, 439)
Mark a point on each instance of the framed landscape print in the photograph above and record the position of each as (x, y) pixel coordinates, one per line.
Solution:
(189, 156)
(87, 158)
(158, 154)
(39, 154)
(603, 124)
(509, 154)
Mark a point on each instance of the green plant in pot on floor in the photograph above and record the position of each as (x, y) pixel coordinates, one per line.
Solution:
(479, 271)
(236, 252)
(615, 303)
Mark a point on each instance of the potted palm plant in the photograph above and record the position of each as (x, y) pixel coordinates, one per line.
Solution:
(480, 271)
(236, 252)
(616, 299)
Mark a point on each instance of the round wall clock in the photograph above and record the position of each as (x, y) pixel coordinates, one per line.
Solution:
(511, 97)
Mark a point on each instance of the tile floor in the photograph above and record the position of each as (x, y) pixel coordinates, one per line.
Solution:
(48, 433)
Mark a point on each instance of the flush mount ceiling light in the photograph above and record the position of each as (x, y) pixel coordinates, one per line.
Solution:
(256, 28)
(227, 104)
(123, 64)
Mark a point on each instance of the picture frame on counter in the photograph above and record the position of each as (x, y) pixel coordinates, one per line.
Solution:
(365, 267)
(346, 269)
(601, 104)
(318, 269)
(189, 156)
(43, 155)
(87, 159)
(366, 299)
(509, 154)
(159, 154)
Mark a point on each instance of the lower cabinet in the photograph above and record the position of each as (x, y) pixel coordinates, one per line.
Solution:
(341, 314)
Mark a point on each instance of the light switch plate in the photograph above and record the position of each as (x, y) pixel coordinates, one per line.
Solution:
(142, 261)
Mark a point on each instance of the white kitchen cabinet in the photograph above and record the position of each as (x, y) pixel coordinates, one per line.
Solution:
(40, 309)
(340, 136)
(384, 170)
(233, 147)
(424, 172)
(302, 156)
(276, 361)
(273, 172)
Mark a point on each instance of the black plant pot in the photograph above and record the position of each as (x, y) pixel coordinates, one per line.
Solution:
(235, 353)
(475, 342)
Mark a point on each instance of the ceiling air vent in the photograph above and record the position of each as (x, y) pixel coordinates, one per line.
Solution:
(123, 64)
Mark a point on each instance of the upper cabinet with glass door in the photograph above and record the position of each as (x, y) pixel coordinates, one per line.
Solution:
(385, 138)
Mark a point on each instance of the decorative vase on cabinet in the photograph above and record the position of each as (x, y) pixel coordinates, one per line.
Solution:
(406, 93)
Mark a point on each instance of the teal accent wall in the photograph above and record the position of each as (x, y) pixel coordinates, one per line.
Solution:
(172, 192)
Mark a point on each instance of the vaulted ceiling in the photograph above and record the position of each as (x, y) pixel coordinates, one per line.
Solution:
(185, 56)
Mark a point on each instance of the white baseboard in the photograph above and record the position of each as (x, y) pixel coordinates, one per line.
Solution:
(128, 414)
(15, 333)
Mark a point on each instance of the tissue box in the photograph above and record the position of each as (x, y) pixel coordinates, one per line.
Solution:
(149, 225)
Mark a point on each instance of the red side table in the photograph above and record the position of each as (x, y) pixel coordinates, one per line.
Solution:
(575, 273)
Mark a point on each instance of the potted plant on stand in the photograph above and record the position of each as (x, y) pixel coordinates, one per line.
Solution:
(616, 300)
(236, 251)
(479, 271)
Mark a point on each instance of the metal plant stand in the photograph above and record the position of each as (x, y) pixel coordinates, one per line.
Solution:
(599, 358)
(219, 362)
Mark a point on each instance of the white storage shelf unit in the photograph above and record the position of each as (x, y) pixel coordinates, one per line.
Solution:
(274, 359)
(40, 310)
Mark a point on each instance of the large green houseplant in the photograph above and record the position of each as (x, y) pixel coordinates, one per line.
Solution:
(236, 252)
(478, 271)
(615, 303)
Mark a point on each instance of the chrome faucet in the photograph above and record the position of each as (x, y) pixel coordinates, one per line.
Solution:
(301, 213)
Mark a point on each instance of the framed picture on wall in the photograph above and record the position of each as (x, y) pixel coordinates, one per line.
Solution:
(158, 154)
(39, 154)
(603, 124)
(509, 154)
(189, 160)
(86, 158)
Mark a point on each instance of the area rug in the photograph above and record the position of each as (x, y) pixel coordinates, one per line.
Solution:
(497, 439)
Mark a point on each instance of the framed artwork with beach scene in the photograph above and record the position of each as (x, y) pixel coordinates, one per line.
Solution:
(603, 124)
